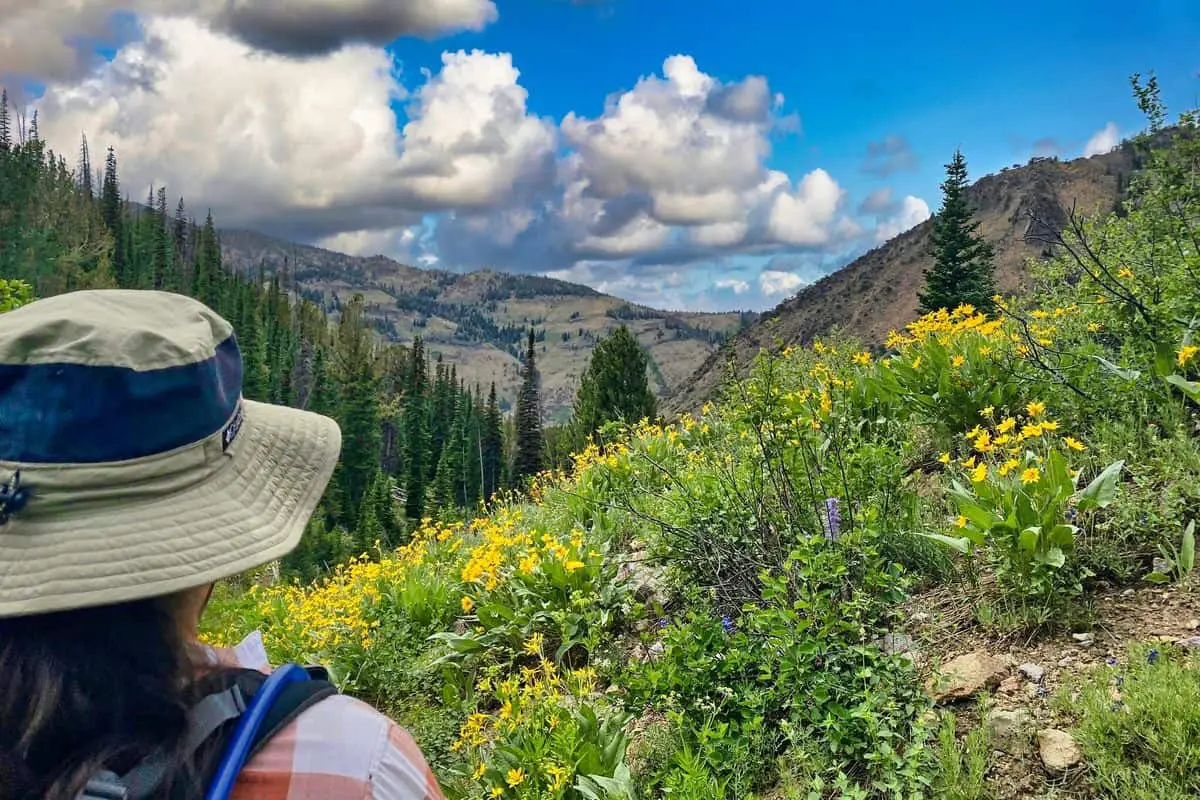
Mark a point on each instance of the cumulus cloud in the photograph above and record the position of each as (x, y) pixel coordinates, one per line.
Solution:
(1103, 140)
(877, 202)
(56, 39)
(890, 155)
(908, 213)
(735, 285)
(774, 283)
(304, 148)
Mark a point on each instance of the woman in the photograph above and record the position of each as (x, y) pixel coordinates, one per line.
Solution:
(132, 476)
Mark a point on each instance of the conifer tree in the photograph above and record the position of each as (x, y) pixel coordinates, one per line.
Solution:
(614, 386)
(6, 141)
(492, 446)
(962, 271)
(416, 434)
(528, 461)
(360, 406)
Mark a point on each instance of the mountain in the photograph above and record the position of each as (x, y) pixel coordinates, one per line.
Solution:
(877, 292)
(477, 320)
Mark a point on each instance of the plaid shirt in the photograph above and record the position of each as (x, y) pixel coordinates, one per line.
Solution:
(339, 749)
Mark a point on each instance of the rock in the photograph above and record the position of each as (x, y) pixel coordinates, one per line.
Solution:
(1008, 730)
(1033, 672)
(1128, 593)
(1010, 685)
(920, 618)
(1162, 566)
(1066, 661)
(648, 581)
(894, 644)
(1085, 639)
(1193, 625)
(1058, 750)
(965, 676)
(1192, 643)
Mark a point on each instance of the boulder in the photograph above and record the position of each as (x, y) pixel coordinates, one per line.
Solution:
(1008, 730)
(966, 676)
(1033, 672)
(1058, 750)
(894, 644)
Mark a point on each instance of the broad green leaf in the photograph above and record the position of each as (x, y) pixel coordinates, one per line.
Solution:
(1187, 549)
(1157, 577)
(1063, 536)
(958, 543)
(1164, 359)
(1099, 493)
(1190, 388)
(1120, 372)
(1054, 557)
(1028, 540)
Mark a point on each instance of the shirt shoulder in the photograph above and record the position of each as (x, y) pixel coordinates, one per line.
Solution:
(338, 749)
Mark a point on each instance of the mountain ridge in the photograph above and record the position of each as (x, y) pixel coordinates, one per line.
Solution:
(476, 320)
(877, 291)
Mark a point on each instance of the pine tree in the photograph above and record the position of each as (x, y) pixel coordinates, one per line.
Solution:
(114, 215)
(84, 173)
(492, 446)
(614, 386)
(164, 276)
(6, 141)
(416, 435)
(962, 271)
(529, 420)
(360, 405)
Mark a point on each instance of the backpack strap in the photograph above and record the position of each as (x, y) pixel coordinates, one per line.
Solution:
(225, 696)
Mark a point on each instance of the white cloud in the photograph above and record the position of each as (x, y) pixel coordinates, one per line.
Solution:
(803, 217)
(305, 147)
(1103, 140)
(738, 286)
(773, 283)
(55, 39)
(912, 212)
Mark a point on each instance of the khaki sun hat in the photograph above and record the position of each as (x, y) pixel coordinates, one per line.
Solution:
(130, 464)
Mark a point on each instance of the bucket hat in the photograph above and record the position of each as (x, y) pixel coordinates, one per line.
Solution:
(130, 464)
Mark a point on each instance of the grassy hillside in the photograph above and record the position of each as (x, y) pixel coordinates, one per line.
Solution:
(878, 291)
(821, 586)
(475, 320)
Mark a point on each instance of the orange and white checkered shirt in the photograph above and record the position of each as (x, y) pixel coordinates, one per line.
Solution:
(339, 749)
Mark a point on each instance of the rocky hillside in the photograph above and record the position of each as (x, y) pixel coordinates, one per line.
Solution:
(477, 320)
(878, 291)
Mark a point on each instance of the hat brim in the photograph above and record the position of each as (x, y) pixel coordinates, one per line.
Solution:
(251, 511)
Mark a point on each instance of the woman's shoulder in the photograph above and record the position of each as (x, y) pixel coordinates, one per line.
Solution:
(338, 748)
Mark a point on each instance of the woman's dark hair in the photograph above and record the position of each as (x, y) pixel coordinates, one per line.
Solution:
(90, 689)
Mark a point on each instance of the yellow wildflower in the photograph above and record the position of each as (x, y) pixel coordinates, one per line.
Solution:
(479, 770)
(1049, 425)
(944, 458)
(497, 791)
(980, 473)
(1074, 444)
(1035, 408)
(961, 522)
(971, 434)
(534, 645)
(1008, 466)
(467, 604)
(1031, 431)
(917, 363)
(1125, 272)
(987, 412)
(1187, 353)
(1093, 327)
(983, 443)
(515, 777)
(957, 361)
(1006, 426)
(1002, 440)
(968, 463)
(571, 566)
(1031, 475)
(863, 358)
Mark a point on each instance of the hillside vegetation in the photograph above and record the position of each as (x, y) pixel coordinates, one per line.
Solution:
(713, 609)
(477, 320)
(877, 292)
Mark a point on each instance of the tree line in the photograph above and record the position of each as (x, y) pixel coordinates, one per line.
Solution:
(417, 441)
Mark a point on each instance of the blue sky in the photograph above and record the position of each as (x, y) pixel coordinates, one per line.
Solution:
(638, 147)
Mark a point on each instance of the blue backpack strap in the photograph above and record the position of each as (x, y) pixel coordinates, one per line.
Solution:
(233, 694)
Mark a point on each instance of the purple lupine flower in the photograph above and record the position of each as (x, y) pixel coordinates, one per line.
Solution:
(1071, 513)
(663, 622)
(727, 624)
(1152, 656)
(1111, 661)
(833, 519)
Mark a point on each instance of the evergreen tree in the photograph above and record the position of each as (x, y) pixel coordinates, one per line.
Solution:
(114, 215)
(416, 435)
(360, 406)
(84, 173)
(962, 271)
(492, 446)
(528, 460)
(6, 141)
(614, 386)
